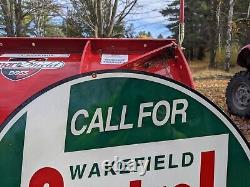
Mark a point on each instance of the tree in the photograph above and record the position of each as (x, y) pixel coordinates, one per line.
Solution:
(241, 22)
(172, 12)
(197, 33)
(218, 17)
(12, 15)
(102, 17)
(160, 36)
(144, 34)
(229, 34)
(28, 18)
(71, 27)
(42, 14)
(213, 32)
(130, 31)
(248, 11)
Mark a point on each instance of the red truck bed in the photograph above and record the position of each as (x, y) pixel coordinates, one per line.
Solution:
(30, 64)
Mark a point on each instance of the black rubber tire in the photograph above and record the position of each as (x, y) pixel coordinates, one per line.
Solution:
(238, 94)
(248, 63)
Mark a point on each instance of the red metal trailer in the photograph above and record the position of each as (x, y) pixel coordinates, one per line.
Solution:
(30, 64)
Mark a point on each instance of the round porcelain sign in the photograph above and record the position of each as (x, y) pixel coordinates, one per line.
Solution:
(123, 129)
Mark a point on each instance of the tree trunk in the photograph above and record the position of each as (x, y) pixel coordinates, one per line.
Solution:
(213, 34)
(248, 12)
(218, 15)
(191, 57)
(229, 35)
(7, 8)
(12, 15)
(99, 16)
(18, 17)
(112, 18)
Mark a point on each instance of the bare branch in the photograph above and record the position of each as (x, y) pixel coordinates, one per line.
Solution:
(103, 14)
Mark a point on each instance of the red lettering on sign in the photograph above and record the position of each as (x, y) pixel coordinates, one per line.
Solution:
(182, 185)
(207, 169)
(206, 172)
(48, 176)
(138, 184)
(135, 183)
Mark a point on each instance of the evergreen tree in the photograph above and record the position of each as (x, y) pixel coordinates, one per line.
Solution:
(196, 30)
(160, 36)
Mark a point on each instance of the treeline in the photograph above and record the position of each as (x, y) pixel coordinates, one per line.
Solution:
(29, 18)
(75, 18)
(216, 28)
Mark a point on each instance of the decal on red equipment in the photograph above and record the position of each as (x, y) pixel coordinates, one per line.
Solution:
(21, 68)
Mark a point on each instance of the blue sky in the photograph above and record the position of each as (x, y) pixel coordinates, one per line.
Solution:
(147, 17)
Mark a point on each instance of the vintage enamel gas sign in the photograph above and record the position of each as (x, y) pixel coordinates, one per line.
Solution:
(121, 129)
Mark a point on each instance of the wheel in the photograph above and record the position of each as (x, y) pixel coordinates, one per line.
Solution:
(238, 94)
(248, 63)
